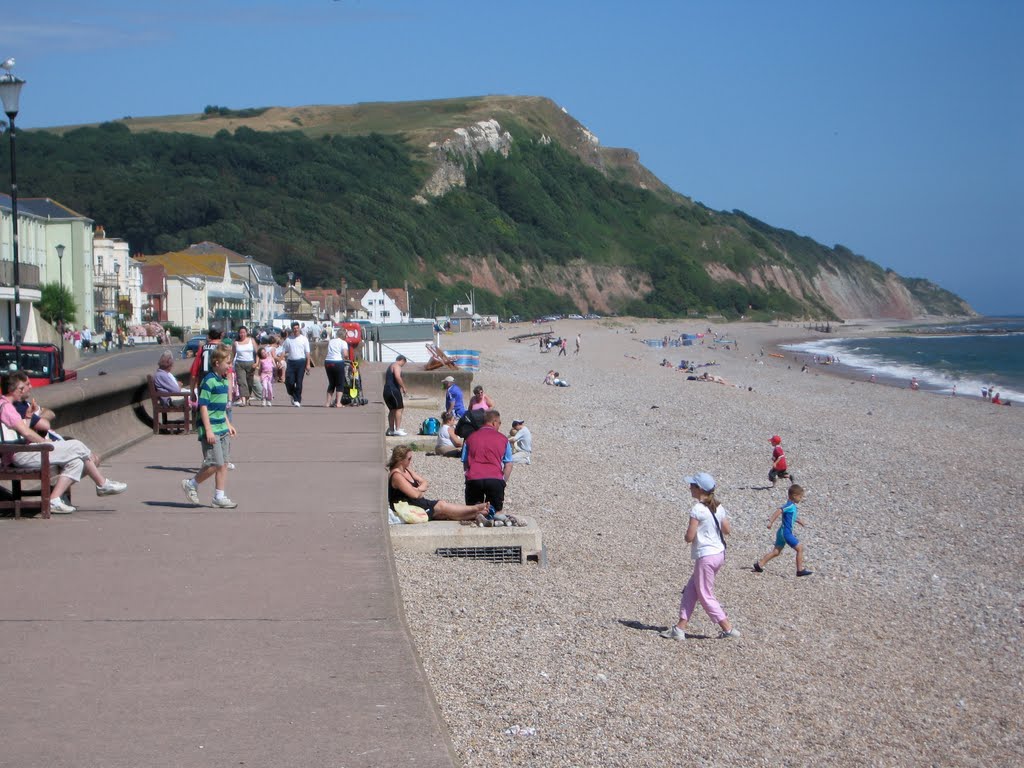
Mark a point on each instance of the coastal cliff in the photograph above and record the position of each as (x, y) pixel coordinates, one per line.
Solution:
(508, 195)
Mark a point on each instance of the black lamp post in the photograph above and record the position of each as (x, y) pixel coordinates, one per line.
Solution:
(10, 91)
(60, 269)
(117, 301)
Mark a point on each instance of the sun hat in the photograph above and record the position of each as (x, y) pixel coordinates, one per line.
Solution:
(446, 379)
(702, 480)
(775, 440)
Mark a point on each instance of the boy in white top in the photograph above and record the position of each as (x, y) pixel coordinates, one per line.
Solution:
(705, 533)
(297, 361)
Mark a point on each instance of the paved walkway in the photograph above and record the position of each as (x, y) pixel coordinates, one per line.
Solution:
(143, 631)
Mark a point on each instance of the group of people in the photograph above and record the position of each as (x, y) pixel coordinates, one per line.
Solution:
(708, 525)
(487, 459)
(23, 421)
(254, 367)
(488, 456)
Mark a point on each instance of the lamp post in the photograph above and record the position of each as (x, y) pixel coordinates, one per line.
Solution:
(249, 259)
(10, 91)
(60, 270)
(290, 305)
(117, 301)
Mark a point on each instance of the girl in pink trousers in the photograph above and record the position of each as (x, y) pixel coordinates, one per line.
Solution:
(265, 369)
(706, 532)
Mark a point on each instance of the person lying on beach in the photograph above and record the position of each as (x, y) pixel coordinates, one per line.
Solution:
(406, 485)
(709, 377)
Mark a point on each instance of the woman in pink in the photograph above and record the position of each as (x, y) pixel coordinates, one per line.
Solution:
(479, 401)
(705, 533)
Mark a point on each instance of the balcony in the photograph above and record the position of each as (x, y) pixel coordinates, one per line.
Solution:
(28, 275)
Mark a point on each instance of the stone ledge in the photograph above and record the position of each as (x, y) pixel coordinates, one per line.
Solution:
(428, 537)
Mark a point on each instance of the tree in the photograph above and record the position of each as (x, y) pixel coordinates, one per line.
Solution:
(56, 302)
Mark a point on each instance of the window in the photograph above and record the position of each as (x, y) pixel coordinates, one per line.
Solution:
(385, 313)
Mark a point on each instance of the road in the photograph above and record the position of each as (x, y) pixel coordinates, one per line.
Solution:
(142, 358)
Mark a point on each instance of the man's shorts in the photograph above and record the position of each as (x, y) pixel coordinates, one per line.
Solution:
(218, 454)
(784, 537)
(489, 490)
(393, 399)
(774, 474)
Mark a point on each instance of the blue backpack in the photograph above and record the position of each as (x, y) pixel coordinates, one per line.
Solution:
(430, 426)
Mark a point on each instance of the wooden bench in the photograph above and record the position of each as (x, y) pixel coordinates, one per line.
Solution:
(179, 404)
(17, 475)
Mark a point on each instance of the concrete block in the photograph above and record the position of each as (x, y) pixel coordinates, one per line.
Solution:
(429, 537)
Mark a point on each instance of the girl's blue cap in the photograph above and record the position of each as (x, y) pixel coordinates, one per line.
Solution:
(702, 480)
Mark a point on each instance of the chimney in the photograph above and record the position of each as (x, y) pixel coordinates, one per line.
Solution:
(298, 284)
(374, 287)
(100, 233)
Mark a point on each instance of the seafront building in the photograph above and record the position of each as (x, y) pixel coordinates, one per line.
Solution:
(43, 224)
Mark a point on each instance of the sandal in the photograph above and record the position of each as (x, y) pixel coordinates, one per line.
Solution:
(515, 521)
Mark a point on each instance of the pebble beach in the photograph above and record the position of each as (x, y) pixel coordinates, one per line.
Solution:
(903, 648)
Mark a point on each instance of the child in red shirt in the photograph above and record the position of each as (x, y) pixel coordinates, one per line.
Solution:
(779, 466)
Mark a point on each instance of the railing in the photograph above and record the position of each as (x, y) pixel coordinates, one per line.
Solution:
(28, 274)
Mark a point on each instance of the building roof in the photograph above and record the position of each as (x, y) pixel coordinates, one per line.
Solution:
(208, 259)
(43, 207)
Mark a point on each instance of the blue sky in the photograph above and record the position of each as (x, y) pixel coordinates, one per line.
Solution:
(895, 128)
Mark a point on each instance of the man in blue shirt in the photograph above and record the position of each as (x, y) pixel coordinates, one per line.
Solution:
(453, 402)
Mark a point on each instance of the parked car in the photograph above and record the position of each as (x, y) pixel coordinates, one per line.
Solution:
(192, 346)
(43, 363)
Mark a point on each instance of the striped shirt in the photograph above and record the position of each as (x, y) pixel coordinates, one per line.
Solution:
(213, 393)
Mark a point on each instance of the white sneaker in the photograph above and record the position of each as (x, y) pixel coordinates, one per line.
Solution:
(673, 633)
(400, 432)
(58, 507)
(730, 635)
(224, 503)
(230, 465)
(191, 492)
(296, 403)
(111, 488)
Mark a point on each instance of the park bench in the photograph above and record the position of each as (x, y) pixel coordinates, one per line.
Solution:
(17, 475)
(178, 404)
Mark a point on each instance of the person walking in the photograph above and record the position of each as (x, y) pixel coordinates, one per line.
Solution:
(788, 512)
(394, 389)
(245, 367)
(215, 432)
(334, 366)
(266, 363)
(705, 533)
(297, 360)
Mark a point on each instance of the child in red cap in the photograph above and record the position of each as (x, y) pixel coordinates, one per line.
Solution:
(779, 466)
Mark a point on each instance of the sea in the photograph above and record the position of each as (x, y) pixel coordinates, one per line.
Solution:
(983, 353)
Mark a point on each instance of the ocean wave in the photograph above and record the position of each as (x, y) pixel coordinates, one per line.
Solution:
(872, 362)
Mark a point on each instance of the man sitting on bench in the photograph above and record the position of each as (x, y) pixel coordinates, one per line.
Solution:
(72, 457)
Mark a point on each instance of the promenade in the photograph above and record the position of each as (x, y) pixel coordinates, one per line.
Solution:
(143, 631)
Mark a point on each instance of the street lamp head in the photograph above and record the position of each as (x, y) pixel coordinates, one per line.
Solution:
(291, 277)
(117, 267)
(60, 252)
(10, 88)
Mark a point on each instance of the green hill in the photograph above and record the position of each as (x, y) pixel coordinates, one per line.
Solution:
(525, 206)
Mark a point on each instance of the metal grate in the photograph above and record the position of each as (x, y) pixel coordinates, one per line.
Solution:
(488, 554)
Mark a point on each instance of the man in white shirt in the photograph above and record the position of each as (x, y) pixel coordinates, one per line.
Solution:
(297, 362)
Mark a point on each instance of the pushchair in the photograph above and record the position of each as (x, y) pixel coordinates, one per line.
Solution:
(352, 391)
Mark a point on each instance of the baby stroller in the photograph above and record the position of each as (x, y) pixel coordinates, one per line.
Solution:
(352, 391)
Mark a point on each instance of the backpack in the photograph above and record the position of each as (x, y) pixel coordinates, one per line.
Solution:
(430, 426)
(470, 422)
